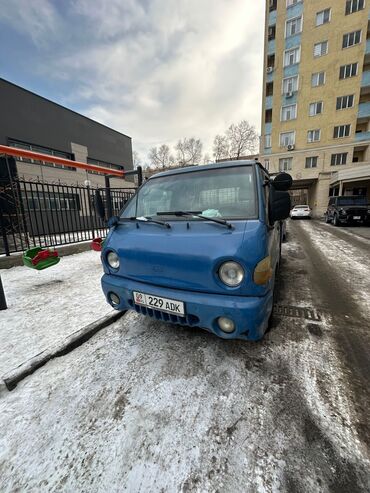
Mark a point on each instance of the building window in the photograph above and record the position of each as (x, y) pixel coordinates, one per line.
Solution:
(290, 3)
(341, 131)
(316, 108)
(344, 102)
(43, 150)
(311, 162)
(351, 39)
(285, 164)
(313, 135)
(290, 84)
(293, 26)
(267, 164)
(354, 6)
(320, 49)
(103, 164)
(288, 112)
(318, 79)
(349, 70)
(322, 17)
(268, 140)
(338, 159)
(287, 139)
(292, 56)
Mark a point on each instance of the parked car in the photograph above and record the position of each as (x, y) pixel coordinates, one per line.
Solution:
(346, 209)
(200, 246)
(300, 212)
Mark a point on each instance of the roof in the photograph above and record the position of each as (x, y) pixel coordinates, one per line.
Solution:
(191, 169)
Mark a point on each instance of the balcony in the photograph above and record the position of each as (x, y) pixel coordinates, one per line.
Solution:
(362, 136)
(272, 18)
(293, 41)
(364, 111)
(271, 47)
(270, 74)
(365, 82)
(268, 103)
(294, 10)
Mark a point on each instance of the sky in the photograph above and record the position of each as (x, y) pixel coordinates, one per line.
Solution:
(156, 70)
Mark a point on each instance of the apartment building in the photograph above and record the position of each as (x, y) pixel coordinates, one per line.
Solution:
(316, 104)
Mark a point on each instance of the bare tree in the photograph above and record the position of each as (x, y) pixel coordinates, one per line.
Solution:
(189, 151)
(242, 139)
(161, 157)
(220, 147)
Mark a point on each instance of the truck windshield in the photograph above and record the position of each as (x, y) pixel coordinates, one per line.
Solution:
(354, 200)
(228, 193)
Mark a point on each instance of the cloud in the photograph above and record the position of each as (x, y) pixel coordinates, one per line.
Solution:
(157, 70)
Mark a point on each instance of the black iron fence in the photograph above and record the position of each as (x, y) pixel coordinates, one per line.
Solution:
(43, 214)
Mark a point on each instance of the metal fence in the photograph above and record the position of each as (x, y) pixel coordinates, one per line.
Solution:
(43, 214)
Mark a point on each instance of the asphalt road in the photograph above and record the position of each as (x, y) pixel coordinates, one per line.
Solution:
(150, 407)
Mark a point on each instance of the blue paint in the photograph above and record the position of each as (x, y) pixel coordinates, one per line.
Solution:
(272, 18)
(271, 47)
(292, 41)
(362, 136)
(365, 82)
(291, 70)
(268, 102)
(182, 263)
(294, 10)
(364, 110)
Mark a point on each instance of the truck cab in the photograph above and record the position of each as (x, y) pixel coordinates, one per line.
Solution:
(200, 246)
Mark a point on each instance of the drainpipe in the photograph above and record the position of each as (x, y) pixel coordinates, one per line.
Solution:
(340, 188)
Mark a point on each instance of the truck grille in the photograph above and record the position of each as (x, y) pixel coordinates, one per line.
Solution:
(165, 317)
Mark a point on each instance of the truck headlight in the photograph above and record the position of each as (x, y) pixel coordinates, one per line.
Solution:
(113, 260)
(231, 273)
(343, 212)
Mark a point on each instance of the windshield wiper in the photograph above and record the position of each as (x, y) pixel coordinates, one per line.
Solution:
(196, 214)
(147, 219)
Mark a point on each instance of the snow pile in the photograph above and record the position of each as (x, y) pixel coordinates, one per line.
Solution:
(45, 306)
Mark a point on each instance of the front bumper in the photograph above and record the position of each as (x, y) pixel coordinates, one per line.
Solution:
(250, 314)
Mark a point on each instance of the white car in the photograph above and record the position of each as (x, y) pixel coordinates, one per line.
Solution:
(301, 211)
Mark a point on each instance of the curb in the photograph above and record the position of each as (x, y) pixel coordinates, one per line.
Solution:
(13, 377)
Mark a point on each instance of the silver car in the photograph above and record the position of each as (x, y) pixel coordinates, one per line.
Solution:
(300, 212)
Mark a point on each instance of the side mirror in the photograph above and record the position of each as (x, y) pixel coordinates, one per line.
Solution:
(99, 205)
(282, 182)
(113, 221)
(279, 205)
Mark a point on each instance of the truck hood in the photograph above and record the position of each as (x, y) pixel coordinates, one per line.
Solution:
(188, 255)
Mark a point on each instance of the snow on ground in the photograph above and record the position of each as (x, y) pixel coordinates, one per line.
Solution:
(45, 306)
(152, 407)
(350, 262)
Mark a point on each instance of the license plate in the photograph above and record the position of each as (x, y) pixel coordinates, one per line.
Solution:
(356, 217)
(158, 303)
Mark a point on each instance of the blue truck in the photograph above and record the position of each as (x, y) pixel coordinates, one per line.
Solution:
(200, 246)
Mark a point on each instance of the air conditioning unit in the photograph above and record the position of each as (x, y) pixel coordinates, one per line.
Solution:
(270, 70)
(289, 94)
(290, 147)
